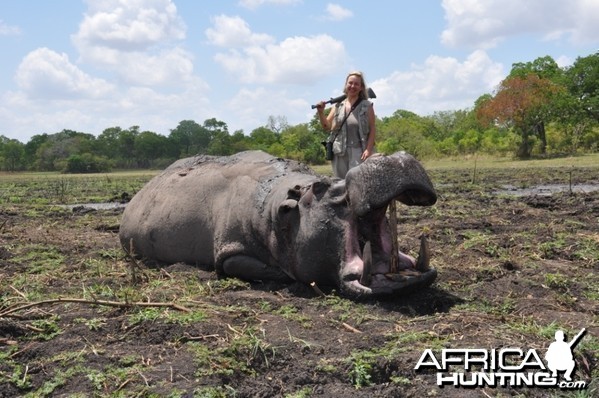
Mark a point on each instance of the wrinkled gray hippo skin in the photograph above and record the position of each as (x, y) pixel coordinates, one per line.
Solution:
(257, 217)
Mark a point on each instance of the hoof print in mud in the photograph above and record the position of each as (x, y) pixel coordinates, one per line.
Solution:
(257, 217)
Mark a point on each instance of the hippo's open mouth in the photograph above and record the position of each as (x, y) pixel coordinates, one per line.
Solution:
(373, 264)
(370, 267)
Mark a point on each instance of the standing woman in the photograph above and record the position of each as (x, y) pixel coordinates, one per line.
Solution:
(352, 125)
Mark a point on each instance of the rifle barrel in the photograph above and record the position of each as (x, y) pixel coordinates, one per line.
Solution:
(335, 100)
(577, 337)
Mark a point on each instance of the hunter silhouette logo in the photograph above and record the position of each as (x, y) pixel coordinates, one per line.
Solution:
(513, 367)
(559, 355)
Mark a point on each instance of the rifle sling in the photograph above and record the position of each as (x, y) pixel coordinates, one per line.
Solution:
(353, 108)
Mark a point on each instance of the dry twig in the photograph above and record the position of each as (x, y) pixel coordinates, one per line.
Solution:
(350, 328)
(118, 304)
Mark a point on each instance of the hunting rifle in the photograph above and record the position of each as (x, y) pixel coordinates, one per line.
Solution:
(575, 339)
(335, 100)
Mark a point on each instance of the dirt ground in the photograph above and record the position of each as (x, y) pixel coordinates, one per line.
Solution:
(512, 270)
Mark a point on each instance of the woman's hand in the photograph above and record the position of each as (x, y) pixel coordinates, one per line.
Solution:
(366, 154)
(324, 121)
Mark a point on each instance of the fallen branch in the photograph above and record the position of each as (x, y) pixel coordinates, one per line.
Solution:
(118, 304)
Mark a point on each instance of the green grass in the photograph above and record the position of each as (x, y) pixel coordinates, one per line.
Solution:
(59, 189)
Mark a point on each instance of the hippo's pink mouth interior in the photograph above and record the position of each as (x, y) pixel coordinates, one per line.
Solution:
(369, 265)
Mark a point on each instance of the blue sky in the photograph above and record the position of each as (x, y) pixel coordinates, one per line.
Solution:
(91, 65)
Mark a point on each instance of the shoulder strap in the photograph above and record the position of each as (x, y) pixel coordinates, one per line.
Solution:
(353, 107)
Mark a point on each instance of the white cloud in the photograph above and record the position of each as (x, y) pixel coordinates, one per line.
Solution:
(234, 32)
(296, 60)
(484, 24)
(442, 83)
(136, 40)
(337, 13)
(8, 30)
(256, 58)
(253, 4)
(129, 25)
(44, 73)
(169, 68)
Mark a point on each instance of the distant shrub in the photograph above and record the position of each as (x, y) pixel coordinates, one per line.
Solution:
(86, 163)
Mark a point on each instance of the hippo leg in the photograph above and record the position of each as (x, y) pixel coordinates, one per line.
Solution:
(251, 269)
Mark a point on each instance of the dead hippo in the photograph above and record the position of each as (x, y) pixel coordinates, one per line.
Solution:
(259, 217)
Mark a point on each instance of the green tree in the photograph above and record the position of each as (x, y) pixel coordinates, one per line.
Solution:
(301, 144)
(87, 163)
(108, 142)
(240, 142)
(189, 138)
(221, 144)
(582, 80)
(53, 153)
(578, 108)
(263, 138)
(31, 149)
(544, 67)
(12, 154)
(149, 146)
(405, 131)
(220, 140)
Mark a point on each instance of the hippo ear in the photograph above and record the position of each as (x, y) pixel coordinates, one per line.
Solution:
(319, 188)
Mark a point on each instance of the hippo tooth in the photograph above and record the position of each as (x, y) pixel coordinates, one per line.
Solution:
(424, 257)
(366, 278)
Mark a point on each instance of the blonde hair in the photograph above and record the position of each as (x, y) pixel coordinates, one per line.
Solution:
(364, 91)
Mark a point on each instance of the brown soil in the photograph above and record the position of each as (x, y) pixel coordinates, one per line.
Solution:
(512, 270)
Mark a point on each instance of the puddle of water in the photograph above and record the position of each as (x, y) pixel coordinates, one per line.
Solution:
(98, 206)
(546, 190)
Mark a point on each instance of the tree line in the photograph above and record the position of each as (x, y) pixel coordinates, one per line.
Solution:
(539, 109)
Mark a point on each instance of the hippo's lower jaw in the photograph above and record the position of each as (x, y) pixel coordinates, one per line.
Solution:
(410, 276)
(373, 271)
(391, 285)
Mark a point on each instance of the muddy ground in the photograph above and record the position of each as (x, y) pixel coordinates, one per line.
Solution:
(512, 271)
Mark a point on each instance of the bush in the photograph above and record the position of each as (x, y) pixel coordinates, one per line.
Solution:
(86, 163)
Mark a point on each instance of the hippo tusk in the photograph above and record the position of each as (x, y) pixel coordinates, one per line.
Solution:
(394, 261)
(366, 278)
(424, 257)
